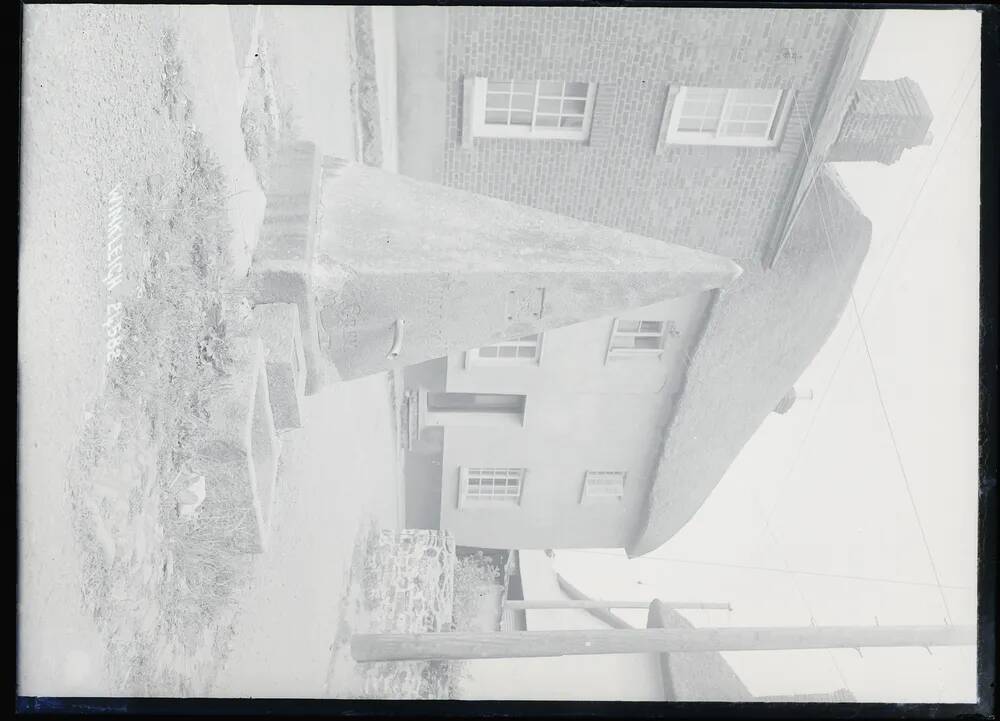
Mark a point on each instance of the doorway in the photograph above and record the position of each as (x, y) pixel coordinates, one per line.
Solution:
(473, 408)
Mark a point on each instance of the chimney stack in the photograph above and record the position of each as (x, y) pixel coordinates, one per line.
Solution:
(884, 118)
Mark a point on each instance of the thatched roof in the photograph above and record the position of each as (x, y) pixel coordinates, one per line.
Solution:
(706, 676)
(764, 332)
(694, 676)
(766, 328)
(821, 130)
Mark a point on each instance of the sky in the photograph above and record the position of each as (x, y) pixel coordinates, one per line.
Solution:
(820, 490)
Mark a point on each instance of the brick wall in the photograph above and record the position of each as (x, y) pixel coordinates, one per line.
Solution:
(722, 199)
(885, 118)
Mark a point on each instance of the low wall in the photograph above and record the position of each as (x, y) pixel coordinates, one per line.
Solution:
(417, 573)
(412, 591)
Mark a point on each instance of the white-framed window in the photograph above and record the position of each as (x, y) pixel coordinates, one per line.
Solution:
(536, 109)
(603, 485)
(490, 486)
(523, 351)
(630, 338)
(728, 116)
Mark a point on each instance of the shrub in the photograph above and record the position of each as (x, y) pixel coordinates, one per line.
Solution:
(474, 574)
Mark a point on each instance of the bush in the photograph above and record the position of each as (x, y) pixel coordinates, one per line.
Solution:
(473, 575)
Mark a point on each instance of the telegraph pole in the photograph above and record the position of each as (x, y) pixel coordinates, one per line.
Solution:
(591, 603)
(519, 644)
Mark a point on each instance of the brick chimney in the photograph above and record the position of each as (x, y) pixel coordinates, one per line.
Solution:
(884, 118)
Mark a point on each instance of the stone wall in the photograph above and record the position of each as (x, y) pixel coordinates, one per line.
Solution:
(411, 589)
(417, 573)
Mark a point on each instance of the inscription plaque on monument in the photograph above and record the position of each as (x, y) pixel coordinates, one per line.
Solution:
(524, 306)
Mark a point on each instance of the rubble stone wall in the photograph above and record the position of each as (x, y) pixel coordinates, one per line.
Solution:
(417, 570)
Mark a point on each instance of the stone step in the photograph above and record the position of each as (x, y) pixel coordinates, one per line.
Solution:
(240, 449)
(277, 325)
(281, 271)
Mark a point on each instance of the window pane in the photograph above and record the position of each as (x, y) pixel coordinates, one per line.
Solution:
(498, 85)
(576, 90)
(574, 106)
(520, 118)
(746, 130)
(524, 86)
(546, 121)
(496, 117)
(497, 100)
(647, 342)
(489, 351)
(550, 88)
(523, 102)
(687, 125)
(737, 112)
(650, 326)
(695, 109)
(526, 351)
(605, 484)
(628, 326)
(548, 105)
(709, 125)
(494, 484)
(760, 113)
(572, 122)
(508, 351)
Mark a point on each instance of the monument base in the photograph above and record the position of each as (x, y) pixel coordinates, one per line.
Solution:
(281, 271)
(277, 325)
(241, 447)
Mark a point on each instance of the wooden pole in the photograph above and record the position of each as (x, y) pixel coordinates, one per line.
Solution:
(591, 603)
(601, 614)
(518, 644)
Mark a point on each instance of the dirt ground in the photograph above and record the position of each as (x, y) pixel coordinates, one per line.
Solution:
(338, 473)
(310, 46)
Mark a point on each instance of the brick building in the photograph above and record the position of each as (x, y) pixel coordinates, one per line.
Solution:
(710, 128)
(621, 116)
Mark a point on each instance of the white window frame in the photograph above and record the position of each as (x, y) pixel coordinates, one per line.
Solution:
(599, 486)
(665, 328)
(474, 358)
(473, 478)
(779, 118)
(482, 129)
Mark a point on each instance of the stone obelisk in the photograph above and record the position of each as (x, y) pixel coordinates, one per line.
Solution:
(400, 271)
